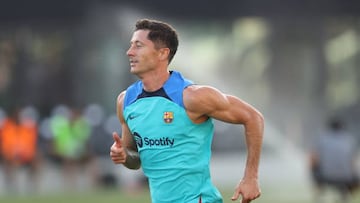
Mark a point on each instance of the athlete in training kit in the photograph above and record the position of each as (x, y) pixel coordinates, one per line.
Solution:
(167, 126)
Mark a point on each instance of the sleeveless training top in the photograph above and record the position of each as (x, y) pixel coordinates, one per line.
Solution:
(174, 151)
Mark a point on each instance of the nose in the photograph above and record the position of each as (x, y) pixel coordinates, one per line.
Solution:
(130, 51)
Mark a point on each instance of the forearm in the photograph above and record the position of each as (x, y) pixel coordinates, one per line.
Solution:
(132, 159)
(254, 136)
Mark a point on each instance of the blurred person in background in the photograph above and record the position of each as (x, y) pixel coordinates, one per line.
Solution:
(18, 140)
(167, 125)
(70, 142)
(332, 161)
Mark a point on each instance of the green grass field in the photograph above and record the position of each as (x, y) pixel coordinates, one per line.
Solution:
(269, 195)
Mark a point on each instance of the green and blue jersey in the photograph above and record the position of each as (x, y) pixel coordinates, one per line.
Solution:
(174, 151)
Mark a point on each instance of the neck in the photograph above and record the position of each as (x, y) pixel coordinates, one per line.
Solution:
(155, 80)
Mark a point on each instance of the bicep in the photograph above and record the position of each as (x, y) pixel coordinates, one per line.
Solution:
(231, 109)
(208, 101)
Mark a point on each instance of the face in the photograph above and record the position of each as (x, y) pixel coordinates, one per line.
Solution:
(142, 53)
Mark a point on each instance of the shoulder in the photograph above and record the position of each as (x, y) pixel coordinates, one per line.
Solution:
(202, 98)
(120, 99)
(198, 93)
(193, 90)
(121, 96)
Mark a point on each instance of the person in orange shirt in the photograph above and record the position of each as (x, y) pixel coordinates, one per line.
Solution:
(18, 145)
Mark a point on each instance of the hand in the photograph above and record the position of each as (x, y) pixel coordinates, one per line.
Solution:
(117, 151)
(249, 190)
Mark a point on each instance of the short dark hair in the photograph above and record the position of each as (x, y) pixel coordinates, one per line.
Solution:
(161, 34)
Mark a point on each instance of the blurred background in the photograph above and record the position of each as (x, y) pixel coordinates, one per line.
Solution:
(63, 63)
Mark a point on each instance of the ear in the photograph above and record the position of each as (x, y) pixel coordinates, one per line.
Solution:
(164, 54)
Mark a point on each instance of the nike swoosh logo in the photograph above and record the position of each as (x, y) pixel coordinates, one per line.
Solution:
(132, 117)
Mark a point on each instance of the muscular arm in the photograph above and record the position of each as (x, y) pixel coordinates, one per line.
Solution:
(131, 159)
(202, 102)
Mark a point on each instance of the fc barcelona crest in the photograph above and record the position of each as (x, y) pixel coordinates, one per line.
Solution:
(168, 116)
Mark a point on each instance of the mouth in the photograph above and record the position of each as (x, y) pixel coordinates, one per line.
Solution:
(133, 62)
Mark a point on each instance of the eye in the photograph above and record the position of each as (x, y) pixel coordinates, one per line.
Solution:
(138, 45)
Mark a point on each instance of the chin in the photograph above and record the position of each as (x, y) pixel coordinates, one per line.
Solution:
(135, 71)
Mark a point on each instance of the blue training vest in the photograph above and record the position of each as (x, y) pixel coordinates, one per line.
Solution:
(174, 151)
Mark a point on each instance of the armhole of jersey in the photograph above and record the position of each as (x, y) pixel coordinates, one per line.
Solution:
(131, 94)
(173, 87)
